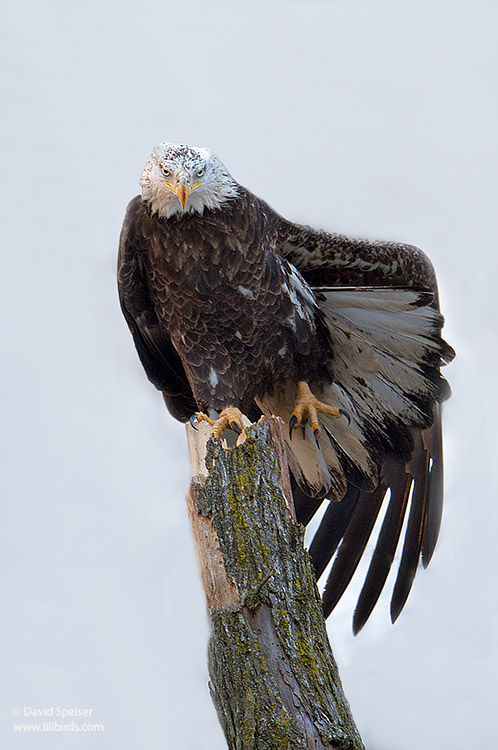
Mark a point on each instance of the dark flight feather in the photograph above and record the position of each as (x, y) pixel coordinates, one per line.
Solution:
(399, 484)
(331, 530)
(419, 465)
(353, 545)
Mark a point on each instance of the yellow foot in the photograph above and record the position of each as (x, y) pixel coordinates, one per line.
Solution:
(306, 409)
(230, 418)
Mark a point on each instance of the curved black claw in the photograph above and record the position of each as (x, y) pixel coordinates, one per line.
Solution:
(193, 420)
(292, 424)
(235, 427)
(316, 433)
(345, 414)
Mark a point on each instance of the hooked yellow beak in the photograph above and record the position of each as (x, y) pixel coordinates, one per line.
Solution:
(183, 188)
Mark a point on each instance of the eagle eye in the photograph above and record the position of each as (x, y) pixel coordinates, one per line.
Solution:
(166, 172)
(200, 172)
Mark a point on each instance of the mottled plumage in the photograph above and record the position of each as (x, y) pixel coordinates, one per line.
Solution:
(230, 304)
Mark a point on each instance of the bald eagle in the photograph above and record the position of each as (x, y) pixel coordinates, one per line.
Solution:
(233, 309)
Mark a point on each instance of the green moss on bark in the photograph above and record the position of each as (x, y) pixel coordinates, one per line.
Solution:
(274, 679)
(245, 694)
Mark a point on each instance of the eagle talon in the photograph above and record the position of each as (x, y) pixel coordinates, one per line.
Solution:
(345, 414)
(235, 427)
(306, 409)
(292, 424)
(229, 418)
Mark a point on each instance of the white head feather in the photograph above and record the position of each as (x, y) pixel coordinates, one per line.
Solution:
(208, 182)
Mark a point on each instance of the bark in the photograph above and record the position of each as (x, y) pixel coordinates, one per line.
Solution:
(273, 678)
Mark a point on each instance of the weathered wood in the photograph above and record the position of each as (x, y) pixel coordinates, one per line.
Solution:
(273, 678)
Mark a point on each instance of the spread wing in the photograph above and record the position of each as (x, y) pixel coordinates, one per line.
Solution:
(157, 354)
(387, 356)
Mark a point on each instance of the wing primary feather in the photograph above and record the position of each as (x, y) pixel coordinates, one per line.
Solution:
(383, 556)
(352, 546)
(331, 529)
(305, 506)
(414, 531)
(434, 508)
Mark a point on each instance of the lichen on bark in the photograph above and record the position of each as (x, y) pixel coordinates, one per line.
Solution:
(274, 680)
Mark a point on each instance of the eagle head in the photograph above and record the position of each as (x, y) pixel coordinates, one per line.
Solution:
(180, 179)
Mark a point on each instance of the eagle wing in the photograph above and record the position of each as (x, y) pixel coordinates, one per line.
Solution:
(387, 356)
(157, 354)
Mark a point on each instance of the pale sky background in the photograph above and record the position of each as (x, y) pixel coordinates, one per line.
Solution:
(375, 119)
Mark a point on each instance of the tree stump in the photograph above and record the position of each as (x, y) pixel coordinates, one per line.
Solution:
(273, 678)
